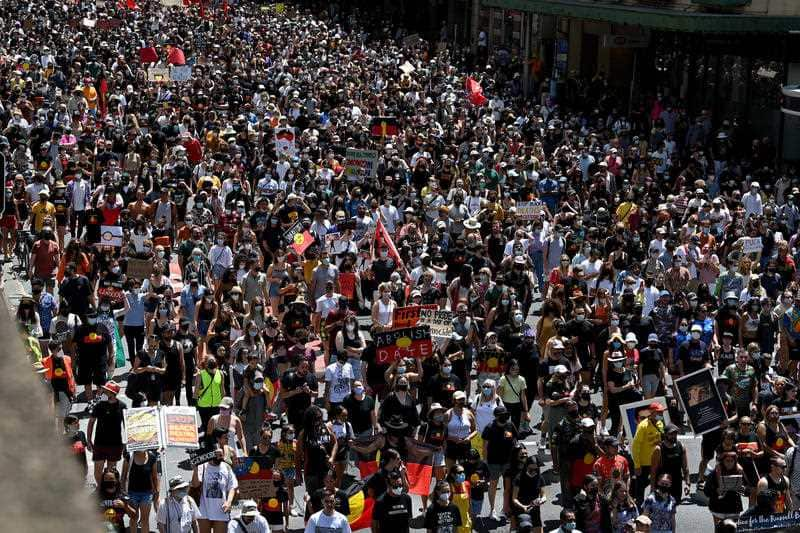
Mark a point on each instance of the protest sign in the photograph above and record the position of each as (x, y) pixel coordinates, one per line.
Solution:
(110, 236)
(284, 141)
(180, 426)
(412, 39)
(730, 483)
(406, 342)
(792, 424)
(255, 478)
(407, 317)
(407, 68)
(89, 23)
(142, 430)
(139, 268)
(180, 73)
(158, 74)
(752, 245)
(171, 3)
(108, 24)
(775, 522)
(197, 458)
(440, 322)
(113, 294)
(634, 412)
(701, 401)
(529, 210)
(360, 164)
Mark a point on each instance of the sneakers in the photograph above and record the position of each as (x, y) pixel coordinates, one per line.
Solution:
(493, 516)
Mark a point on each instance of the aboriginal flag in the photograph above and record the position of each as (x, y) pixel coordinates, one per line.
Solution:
(361, 507)
(301, 241)
(384, 127)
(419, 467)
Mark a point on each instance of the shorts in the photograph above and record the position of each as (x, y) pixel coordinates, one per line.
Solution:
(62, 403)
(496, 471)
(202, 327)
(140, 498)
(89, 374)
(650, 384)
(107, 453)
(475, 507)
(8, 222)
(289, 473)
(457, 451)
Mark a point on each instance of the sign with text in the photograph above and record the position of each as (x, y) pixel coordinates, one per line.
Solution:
(360, 164)
(255, 478)
(701, 401)
(408, 317)
(197, 458)
(110, 236)
(529, 210)
(406, 342)
(113, 294)
(775, 522)
(142, 430)
(440, 322)
(752, 245)
(158, 74)
(180, 73)
(180, 426)
(139, 268)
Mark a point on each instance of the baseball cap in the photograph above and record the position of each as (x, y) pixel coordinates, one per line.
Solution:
(652, 338)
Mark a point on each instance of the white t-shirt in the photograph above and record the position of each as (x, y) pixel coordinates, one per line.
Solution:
(327, 304)
(340, 378)
(259, 525)
(177, 517)
(217, 482)
(322, 523)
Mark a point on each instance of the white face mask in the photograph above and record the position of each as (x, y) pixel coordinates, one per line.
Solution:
(351, 327)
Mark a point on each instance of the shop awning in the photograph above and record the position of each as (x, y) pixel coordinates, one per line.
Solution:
(663, 18)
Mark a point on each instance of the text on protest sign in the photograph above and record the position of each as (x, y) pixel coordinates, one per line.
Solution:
(360, 164)
(405, 342)
(440, 322)
(407, 317)
(529, 210)
(142, 429)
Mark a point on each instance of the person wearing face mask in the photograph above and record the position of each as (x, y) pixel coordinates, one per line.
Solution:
(250, 520)
(328, 519)
(104, 432)
(442, 385)
(647, 436)
(393, 511)
(338, 381)
(323, 273)
(693, 354)
(220, 257)
(620, 388)
(652, 369)
(660, 506)
(442, 516)
(567, 523)
(178, 513)
(499, 439)
(669, 457)
(582, 331)
(218, 485)
(58, 372)
(589, 506)
(113, 502)
(95, 351)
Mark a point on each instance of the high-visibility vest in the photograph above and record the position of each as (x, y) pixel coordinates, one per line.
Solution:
(210, 389)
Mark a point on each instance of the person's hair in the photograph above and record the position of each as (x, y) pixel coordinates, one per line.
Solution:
(726, 526)
(389, 455)
(285, 429)
(439, 487)
(552, 308)
(311, 429)
(562, 516)
(588, 479)
(511, 363)
(618, 485)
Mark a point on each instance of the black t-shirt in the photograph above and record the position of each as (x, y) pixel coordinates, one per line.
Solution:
(694, 355)
(359, 413)
(291, 381)
(584, 330)
(500, 439)
(651, 360)
(92, 344)
(108, 429)
(342, 502)
(442, 519)
(529, 487)
(140, 475)
(441, 388)
(265, 459)
(393, 512)
(76, 291)
(478, 477)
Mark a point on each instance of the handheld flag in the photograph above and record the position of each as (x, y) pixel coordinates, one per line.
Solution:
(148, 55)
(475, 92)
(361, 507)
(384, 127)
(419, 467)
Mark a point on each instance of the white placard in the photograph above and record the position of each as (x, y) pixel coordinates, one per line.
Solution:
(158, 74)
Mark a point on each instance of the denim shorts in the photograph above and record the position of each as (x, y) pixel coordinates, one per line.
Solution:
(475, 507)
(140, 498)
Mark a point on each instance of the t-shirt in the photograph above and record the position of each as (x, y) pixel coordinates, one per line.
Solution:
(660, 512)
(442, 519)
(500, 441)
(108, 429)
(273, 507)
(217, 482)
(178, 516)
(291, 381)
(651, 360)
(742, 381)
(259, 525)
(478, 476)
(359, 413)
(693, 355)
(512, 388)
(322, 523)
(339, 377)
(393, 512)
(92, 345)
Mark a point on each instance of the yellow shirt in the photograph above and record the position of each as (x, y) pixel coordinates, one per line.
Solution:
(648, 436)
(90, 93)
(625, 210)
(512, 387)
(41, 210)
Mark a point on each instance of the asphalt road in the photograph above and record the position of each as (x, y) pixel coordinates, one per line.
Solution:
(692, 515)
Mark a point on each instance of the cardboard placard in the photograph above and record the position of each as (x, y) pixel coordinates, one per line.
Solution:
(110, 236)
(408, 317)
(407, 68)
(108, 24)
(529, 210)
(142, 430)
(701, 401)
(360, 164)
(158, 75)
(113, 294)
(775, 522)
(439, 322)
(180, 73)
(255, 478)
(752, 245)
(406, 342)
(730, 483)
(285, 141)
(633, 413)
(139, 268)
(196, 459)
(180, 426)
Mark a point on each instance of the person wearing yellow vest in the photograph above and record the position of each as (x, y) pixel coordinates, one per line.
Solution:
(647, 437)
(208, 391)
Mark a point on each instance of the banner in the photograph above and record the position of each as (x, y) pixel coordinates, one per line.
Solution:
(113, 294)
(255, 478)
(284, 141)
(776, 522)
(529, 210)
(360, 165)
(384, 127)
(408, 317)
(301, 241)
(141, 430)
(139, 268)
(634, 412)
(419, 466)
(196, 459)
(752, 245)
(180, 73)
(158, 75)
(180, 426)
(406, 342)
(110, 236)
(701, 401)
(440, 322)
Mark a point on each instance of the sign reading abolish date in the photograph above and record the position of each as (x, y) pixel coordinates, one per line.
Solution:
(405, 342)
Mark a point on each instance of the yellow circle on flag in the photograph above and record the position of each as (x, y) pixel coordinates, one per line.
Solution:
(779, 442)
(58, 372)
(474, 478)
(403, 342)
(254, 468)
(492, 362)
(272, 503)
(588, 459)
(298, 238)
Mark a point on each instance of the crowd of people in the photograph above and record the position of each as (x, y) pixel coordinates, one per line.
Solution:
(581, 250)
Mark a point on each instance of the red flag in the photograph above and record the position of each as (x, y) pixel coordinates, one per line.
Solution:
(175, 56)
(102, 96)
(364, 520)
(475, 92)
(148, 55)
(419, 467)
(131, 4)
(367, 468)
(384, 240)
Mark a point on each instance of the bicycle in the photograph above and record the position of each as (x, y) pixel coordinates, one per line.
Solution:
(22, 249)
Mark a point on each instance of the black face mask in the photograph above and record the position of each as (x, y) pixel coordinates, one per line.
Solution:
(503, 419)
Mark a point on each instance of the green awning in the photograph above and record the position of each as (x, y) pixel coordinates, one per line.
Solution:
(664, 18)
